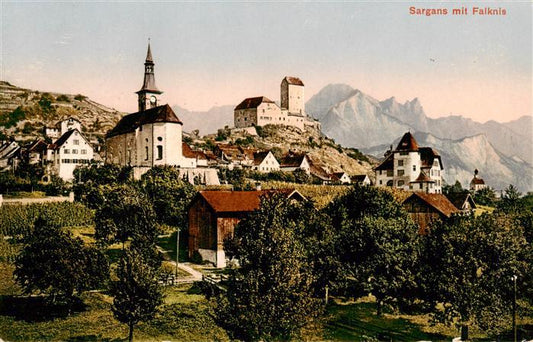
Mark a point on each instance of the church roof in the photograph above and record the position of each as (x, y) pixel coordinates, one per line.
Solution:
(132, 121)
(407, 143)
(477, 180)
(149, 54)
(253, 102)
(294, 80)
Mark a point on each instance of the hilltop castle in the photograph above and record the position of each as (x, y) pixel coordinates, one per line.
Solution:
(260, 111)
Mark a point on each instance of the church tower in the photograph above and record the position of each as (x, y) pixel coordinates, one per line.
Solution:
(149, 94)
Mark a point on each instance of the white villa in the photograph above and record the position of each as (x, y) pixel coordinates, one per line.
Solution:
(410, 167)
(70, 150)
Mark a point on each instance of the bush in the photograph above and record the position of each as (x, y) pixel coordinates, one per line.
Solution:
(80, 97)
(9, 120)
(63, 98)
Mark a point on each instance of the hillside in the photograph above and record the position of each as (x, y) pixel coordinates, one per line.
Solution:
(24, 113)
(322, 150)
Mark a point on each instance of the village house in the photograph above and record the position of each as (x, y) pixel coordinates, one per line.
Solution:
(293, 161)
(9, 155)
(477, 183)
(213, 216)
(463, 201)
(361, 180)
(72, 149)
(193, 158)
(260, 110)
(411, 168)
(340, 177)
(425, 208)
(62, 127)
(265, 162)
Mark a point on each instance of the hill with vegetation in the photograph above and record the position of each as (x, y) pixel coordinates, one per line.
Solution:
(24, 113)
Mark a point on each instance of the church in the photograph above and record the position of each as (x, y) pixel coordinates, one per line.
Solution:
(152, 136)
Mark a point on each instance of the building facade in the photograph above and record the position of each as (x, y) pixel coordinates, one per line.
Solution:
(72, 149)
(410, 167)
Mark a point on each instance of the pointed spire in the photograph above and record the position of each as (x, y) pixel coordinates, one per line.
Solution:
(149, 53)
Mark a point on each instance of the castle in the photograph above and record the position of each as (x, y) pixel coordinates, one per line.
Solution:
(260, 111)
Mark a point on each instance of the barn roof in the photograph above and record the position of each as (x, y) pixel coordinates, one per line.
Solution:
(253, 102)
(437, 201)
(241, 201)
(132, 121)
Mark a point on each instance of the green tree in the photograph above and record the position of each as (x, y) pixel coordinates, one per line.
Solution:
(169, 194)
(270, 295)
(485, 196)
(54, 263)
(376, 245)
(137, 294)
(511, 202)
(466, 269)
(125, 213)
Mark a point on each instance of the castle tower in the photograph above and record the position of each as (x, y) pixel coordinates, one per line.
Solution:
(149, 94)
(292, 95)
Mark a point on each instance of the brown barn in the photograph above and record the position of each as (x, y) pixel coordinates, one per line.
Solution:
(213, 216)
(425, 208)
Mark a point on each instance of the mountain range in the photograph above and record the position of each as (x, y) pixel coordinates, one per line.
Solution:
(501, 151)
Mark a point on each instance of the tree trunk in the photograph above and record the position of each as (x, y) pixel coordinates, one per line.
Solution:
(464, 332)
(378, 307)
(130, 336)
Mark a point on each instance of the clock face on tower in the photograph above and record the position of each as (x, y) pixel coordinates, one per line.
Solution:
(153, 100)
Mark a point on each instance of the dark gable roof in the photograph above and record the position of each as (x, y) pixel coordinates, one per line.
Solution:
(459, 198)
(132, 121)
(253, 102)
(428, 155)
(438, 201)
(358, 178)
(63, 138)
(294, 80)
(259, 157)
(387, 164)
(293, 159)
(241, 201)
(407, 143)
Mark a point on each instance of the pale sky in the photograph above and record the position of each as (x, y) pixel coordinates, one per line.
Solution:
(218, 53)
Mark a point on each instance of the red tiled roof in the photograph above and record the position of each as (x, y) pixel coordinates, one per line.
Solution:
(407, 143)
(477, 180)
(132, 121)
(239, 201)
(188, 152)
(438, 201)
(423, 178)
(253, 102)
(259, 157)
(294, 80)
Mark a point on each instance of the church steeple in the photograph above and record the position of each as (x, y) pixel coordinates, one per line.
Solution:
(148, 94)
